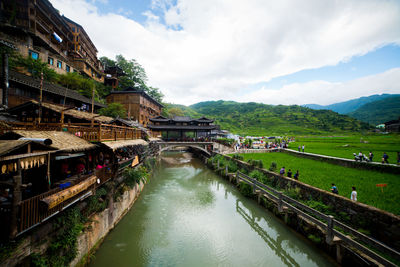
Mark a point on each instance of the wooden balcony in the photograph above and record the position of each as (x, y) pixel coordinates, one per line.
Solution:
(96, 132)
(32, 212)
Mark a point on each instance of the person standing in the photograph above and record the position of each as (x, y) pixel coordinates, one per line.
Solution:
(296, 175)
(371, 156)
(282, 171)
(353, 195)
(360, 156)
(299, 148)
(289, 173)
(303, 148)
(334, 189)
(385, 158)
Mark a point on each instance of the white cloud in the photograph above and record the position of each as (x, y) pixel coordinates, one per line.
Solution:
(223, 45)
(326, 93)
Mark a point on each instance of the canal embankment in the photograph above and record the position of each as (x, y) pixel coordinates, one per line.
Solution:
(356, 212)
(188, 216)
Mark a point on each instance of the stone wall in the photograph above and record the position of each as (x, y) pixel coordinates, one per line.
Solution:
(388, 168)
(101, 223)
(383, 225)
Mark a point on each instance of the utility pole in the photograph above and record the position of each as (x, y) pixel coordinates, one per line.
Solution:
(93, 98)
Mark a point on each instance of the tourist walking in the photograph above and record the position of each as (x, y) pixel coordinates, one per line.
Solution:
(370, 156)
(303, 148)
(282, 171)
(385, 158)
(296, 175)
(289, 173)
(334, 189)
(299, 148)
(353, 195)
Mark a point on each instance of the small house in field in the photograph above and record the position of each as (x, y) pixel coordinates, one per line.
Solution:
(393, 126)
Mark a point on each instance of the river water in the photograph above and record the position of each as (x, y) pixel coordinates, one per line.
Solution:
(188, 216)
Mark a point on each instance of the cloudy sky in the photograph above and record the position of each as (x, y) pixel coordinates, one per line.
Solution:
(274, 52)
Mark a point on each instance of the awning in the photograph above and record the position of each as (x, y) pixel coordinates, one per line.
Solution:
(125, 143)
(67, 156)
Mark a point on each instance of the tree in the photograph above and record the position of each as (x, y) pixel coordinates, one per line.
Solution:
(175, 112)
(34, 66)
(113, 110)
(135, 75)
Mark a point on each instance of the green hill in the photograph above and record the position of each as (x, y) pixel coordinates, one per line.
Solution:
(261, 119)
(378, 111)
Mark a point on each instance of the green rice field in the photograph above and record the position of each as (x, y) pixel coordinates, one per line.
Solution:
(322, 175)
(345, 146)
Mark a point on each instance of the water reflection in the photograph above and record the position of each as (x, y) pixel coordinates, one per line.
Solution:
(188, 216)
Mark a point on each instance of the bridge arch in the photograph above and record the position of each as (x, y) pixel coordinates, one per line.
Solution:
(165, 147)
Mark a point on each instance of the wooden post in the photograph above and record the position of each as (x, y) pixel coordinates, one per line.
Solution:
(4, 79)
(218, 164)
(62, 117)
(17, 196)
(329, 230)
(48, 171)
(226, 170)
(259, 197)
(280, 204)
(99, 133)
(237, 177)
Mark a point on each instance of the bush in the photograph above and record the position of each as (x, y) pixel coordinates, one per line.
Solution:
(237, 156)
(134, 176)
(245, 189)
(273, 166)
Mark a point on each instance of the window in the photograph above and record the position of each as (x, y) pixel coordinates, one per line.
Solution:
(33, 54)
(59, 64)
(73, 29)
(67, 68)
(50, 61)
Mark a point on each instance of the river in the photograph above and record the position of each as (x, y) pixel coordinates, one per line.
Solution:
(188, 216)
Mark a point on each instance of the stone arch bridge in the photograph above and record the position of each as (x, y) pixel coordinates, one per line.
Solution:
(204, 147)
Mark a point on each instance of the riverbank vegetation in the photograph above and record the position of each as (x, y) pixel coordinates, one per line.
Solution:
(322, 175)
(345, 146)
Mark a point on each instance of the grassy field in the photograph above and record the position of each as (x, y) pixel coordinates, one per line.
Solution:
(321, 175)
(345, 146)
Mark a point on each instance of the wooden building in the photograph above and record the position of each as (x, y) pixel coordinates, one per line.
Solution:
(182, 128)
(51, 113)
(392, 126)
(37, 30)
(49, 171)
(23, 88)
(112, 75)
(83, 52)
(138, 104)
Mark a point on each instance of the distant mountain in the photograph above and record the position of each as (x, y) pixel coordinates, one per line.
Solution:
(351, 105)
(379, 111)
(261, 119)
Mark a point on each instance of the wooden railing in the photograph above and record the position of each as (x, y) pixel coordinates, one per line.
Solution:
(32, 214)
(318, 218)
(96, 132)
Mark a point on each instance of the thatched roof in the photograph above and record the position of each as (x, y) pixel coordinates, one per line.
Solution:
(67, 112)
(7, 146)
(61, 140)
(118, 144)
